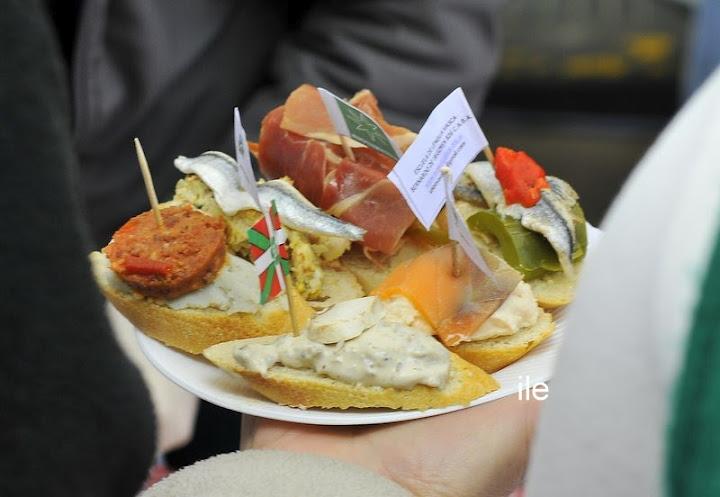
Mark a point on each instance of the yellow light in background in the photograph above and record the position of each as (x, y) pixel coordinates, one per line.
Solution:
(650, 48)
(595, 65)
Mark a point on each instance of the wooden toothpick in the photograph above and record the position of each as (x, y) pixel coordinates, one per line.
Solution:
(149, 187)
(291, 306)
(346, 147)
(456, 272)
(286, 281)
(489, 155)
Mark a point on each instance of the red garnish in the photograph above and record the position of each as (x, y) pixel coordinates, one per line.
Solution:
(141, 265)
(520, 176)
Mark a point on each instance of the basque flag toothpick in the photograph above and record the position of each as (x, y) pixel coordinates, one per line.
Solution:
(269, 253)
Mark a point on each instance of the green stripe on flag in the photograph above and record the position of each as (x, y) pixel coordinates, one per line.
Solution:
(285, 266)
(258, 239)
(267, 289)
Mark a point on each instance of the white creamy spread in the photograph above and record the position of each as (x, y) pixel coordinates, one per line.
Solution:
(385, 354)
(231, 291)
(518, 311)
(235, 289)
(101, 269)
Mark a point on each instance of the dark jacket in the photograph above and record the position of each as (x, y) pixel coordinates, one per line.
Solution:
(75, 416)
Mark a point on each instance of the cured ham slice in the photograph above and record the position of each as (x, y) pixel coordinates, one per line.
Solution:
(297, 140)
(305, 115)
(382, 211)
(283, 153)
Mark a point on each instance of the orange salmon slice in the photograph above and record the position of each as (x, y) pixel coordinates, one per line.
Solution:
(454, 306)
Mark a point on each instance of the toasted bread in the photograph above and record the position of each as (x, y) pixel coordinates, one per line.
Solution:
(305, 388)
(193, 330)
(338, 285)
(494, 354)
(555, 289)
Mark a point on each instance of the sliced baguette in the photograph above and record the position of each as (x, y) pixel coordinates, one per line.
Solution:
(304, 388)
(495, 353)
(194, 330)
(556, 289)
(338, 285)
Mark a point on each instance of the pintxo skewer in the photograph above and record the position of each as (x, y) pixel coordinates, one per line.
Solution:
(149, 186)
(269, 250)
(455, 245)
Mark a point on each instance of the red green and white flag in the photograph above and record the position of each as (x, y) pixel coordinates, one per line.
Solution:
(269, 253)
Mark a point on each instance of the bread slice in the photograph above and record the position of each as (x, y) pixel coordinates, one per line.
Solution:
(194, 330)
(494, 354)
(305, 388)
(338, 285)
(555, 289)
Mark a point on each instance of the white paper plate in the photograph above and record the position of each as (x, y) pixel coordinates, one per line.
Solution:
(200, 377)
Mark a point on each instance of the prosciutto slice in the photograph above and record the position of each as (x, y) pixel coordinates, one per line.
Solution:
(297, 140)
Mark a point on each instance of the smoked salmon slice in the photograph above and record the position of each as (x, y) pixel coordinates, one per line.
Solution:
(454, 306)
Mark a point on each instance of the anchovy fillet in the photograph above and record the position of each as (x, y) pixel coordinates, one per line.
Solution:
(218, 171)
(564, 190)
(482, 175)
(299, 213)
(469, 194)
(552, 219)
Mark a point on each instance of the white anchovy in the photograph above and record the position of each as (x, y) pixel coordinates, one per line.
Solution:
(465, 190)
(551, 216)
(564, 190)
(218, 171)
(483, 177)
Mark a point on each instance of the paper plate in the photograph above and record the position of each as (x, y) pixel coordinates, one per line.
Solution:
(202, 378)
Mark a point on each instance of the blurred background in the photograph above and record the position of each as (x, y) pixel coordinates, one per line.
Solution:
(585, 86)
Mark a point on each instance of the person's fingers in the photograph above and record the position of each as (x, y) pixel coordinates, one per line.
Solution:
(482, 450)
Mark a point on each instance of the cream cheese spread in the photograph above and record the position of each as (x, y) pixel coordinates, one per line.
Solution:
(233, 290)
(518, 311)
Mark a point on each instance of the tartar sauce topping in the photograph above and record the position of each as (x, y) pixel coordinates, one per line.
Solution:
(385, 354)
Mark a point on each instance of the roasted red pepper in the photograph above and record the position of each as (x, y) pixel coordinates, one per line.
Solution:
(520, 176)
(141, 265)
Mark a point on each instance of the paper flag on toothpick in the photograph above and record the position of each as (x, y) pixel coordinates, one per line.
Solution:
(451, 137)
(242, 158)
(269, 253)
(458, 230)
(351, 121)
